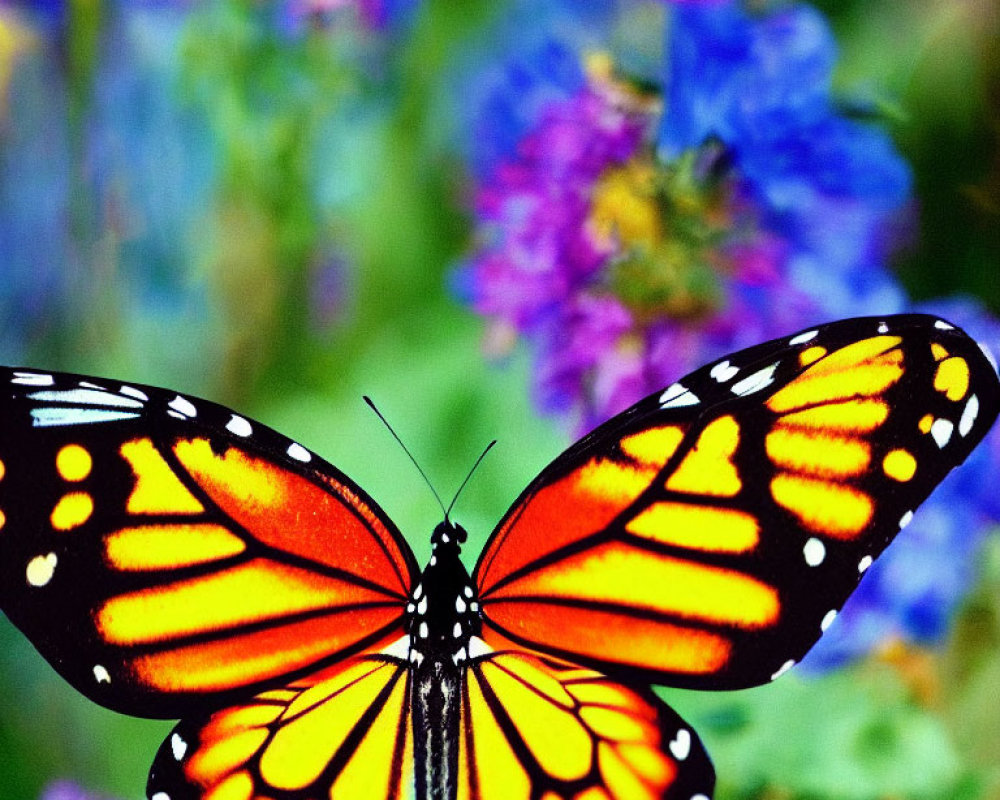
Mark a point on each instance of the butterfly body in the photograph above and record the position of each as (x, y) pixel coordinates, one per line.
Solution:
(442, 618)
(172, 558)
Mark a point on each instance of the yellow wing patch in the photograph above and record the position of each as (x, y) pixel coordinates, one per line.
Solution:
(708, 469)
(818, 454)
(72, 510)
(654, 447)
(157, 489)
(900, 465)
(833, 509)
(719, 530)
(156, 547)
(73, 463)
(952, 378)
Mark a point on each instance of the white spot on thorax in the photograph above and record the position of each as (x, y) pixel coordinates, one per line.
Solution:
(457, 630)
(165, 796)
(941, 430)
(239, 426)
(178, 746)
(969, 414)
(101, 674)
(298, 452)
(474, 606)
(814, 552)
(422, 606)
(418, 591)
(467, 591)
(680, 746)
(41, 569)
(460, 605)
(423, 632)
(802, 338)
(460, 656)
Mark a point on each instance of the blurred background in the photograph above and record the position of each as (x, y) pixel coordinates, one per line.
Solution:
(511, 220)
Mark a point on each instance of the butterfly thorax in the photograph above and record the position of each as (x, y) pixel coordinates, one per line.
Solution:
(443, 614)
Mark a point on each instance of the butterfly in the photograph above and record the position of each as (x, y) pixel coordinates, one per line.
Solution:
(171, 558)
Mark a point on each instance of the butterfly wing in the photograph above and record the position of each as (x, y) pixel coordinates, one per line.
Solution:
(343, 732)
(706, 536)
(530, 727)
(158, 548)
(538, 727)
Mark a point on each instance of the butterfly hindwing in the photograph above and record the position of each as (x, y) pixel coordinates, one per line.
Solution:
(343, 732)
(538, 727)
(531, 727)
(157, 548)
(707, 536)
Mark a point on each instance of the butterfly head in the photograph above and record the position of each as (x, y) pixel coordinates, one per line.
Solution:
(448, 535)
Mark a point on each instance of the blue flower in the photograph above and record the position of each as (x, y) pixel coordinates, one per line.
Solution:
(631, 234)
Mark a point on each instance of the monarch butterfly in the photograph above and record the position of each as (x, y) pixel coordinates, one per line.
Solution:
(172, 558)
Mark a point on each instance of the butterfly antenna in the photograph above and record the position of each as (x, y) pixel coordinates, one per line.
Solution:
(474, 466)
(407, 451)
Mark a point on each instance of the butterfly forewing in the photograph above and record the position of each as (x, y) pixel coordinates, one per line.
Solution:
(718, 526)
(159, 548)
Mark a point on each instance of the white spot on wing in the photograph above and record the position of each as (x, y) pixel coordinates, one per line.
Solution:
(85, 397)
(969, 414)
(101, 674)
(680, 745)
(399, 649)
(864, 563)
(178, 746)
(883, 328)
(905, 520)
(723, 371)
(761, 379)
(165, 796)
(478, 648)
(298, 452)
(944, 326)
(239, 426)
(52, 416)
(677, 396)
(828, 619)
(941, 430)
(783, 669)
(183, 406)
(32, 379)
(41, 569)
(814, 551)
(131, 391)
(802, 338)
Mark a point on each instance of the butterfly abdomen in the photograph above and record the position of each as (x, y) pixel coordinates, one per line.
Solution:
(443, 614)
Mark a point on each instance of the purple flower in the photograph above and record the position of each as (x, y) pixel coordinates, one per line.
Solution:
(67, 790)
(371, 14)
(632, 235)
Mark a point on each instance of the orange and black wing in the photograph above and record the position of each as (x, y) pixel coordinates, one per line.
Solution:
(530, 728)
(344, 732)
(158, 548)
(535, 727)
(706, 536)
